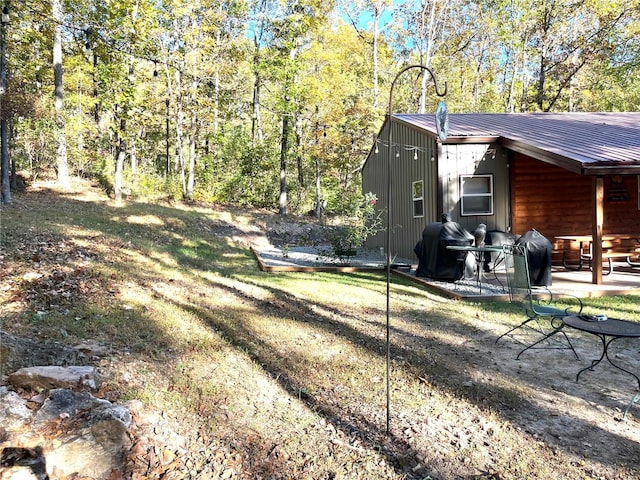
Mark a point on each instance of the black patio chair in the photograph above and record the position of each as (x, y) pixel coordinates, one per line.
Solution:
(544, 317)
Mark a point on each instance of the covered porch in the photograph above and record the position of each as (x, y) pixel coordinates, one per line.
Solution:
(623, 280)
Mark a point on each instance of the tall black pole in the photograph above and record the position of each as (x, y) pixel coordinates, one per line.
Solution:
(388, 236)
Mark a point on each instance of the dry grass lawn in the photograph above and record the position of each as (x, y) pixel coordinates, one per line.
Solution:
(252, 375)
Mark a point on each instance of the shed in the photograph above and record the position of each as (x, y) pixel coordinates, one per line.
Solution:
(557, 173)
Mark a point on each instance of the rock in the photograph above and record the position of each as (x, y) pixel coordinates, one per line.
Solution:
(48, 377)
(92, 349)
(13, 410)
(72, 434)
(96, 443)
(17, 352)
(20, 463)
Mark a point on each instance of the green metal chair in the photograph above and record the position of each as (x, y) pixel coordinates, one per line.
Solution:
(544, 318)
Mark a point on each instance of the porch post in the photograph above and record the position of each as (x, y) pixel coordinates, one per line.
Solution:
(598, 216)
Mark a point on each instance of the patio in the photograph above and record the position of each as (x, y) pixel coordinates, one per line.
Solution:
(624, 279)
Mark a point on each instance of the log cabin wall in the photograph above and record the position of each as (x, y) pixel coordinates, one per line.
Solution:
(550, 199)
(556, 201)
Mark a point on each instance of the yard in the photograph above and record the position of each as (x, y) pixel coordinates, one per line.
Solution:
(282, 375)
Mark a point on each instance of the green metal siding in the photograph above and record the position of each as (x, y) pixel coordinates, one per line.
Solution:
(476, 159)
(439, 173)
(405, 169)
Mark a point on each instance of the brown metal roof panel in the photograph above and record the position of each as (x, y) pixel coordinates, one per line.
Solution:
(589, 139)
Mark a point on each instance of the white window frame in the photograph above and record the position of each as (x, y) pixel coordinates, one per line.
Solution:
(464, 210)
(418, 199)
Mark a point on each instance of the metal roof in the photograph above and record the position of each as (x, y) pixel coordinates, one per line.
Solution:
(586, 143)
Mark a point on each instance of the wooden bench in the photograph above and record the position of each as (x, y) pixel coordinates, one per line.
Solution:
(608, 255)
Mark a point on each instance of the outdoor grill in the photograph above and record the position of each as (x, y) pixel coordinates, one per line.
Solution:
(539, 251)
(435, 261)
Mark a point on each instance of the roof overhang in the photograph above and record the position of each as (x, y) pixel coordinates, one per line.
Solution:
(584, 143)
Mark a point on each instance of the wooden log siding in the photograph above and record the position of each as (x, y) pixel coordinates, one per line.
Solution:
(557, 202)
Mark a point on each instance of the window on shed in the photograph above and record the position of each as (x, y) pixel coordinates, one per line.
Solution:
(476, 195)
(418, 199)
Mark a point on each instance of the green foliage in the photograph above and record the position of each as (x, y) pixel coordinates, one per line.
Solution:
(238, 172)
(364, 220)
(34, 151)
(308, 66)
(155, 187)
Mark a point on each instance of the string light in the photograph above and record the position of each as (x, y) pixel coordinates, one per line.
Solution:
(399, 146)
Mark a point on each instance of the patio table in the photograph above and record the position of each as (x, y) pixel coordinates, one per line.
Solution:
(479, 259)
(607, 330)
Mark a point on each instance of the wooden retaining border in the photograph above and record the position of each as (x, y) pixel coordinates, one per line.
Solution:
(320, 268)
(399, 270)
(424, 282)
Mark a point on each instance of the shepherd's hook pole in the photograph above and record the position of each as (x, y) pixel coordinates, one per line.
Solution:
(388, 236)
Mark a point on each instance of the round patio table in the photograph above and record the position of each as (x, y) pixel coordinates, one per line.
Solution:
(607, 331)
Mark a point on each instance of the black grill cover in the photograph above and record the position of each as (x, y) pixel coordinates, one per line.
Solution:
(435, 261)
(539, 256)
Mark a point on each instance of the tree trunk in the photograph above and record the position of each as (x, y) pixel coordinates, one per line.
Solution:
(64, 181)
(318, 192)
(134, 163)
(510, 105)
(429, 35)
(192, 152)
(524, 101)
(375, 34)
(283, 166)
(120, 154)
(541, 80)
(117, 183)
(256, 127)
(6, 186)
(300, 159)
(12, 160)
(179, 133)
(4, 141)
(167, 139)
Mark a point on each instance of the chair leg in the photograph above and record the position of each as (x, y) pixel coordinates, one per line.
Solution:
(570, 344)
(514, 329)
(546, 337)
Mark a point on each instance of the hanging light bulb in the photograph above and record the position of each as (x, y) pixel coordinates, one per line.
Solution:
(415, 154)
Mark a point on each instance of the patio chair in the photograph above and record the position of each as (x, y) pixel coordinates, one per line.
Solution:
(544, 318)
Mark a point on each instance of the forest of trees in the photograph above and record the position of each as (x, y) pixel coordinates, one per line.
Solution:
(275, 103)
